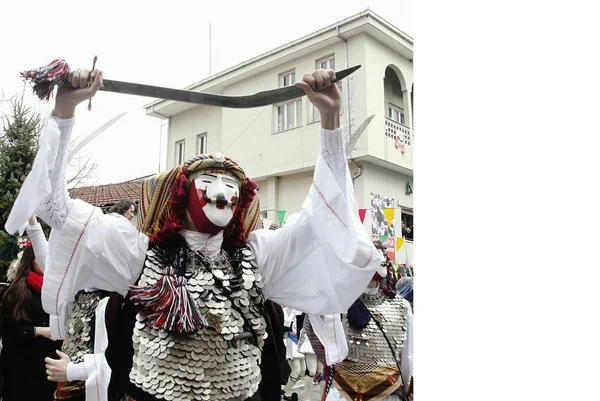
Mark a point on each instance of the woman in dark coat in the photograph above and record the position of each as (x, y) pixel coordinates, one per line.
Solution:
(26, 338)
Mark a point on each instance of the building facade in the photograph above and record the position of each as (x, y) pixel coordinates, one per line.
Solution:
(277, 145)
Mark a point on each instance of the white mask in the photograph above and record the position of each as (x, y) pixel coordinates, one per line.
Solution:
(218, 186)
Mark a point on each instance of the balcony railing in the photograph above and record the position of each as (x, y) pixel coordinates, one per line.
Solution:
(394, 129)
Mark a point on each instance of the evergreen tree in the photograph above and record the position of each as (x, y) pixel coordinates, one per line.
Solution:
(18, 147)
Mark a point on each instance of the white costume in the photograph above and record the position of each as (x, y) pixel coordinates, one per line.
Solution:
(319, 262)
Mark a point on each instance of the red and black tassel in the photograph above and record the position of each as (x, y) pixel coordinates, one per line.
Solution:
(168, 304)
(44, 79)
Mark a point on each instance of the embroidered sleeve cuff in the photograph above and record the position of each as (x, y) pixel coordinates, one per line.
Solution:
(332, 141)
(76, 371)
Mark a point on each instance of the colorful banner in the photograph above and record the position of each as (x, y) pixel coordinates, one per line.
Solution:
(389, 216)
(280, 216)
(362, 213)
(390, 245)
(390, 248)
(399, 243)
(380, 225)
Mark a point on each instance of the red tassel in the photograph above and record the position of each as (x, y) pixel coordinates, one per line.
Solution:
(44, 79)
(168, 304)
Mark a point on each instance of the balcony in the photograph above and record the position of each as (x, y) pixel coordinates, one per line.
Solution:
(400, 133)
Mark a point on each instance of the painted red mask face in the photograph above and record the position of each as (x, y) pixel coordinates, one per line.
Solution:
(213, 200)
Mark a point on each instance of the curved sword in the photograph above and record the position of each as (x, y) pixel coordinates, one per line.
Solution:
(258, 99)
(55, 73)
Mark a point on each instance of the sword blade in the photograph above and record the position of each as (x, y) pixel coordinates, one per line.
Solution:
(259, 99)
(354, 138)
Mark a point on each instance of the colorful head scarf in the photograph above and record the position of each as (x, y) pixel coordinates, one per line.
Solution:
(164, 198)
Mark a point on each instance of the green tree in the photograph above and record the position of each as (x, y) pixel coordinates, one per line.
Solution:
(18, 147)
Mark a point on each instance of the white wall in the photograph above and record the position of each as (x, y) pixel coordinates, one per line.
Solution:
(371, 100)
(259, 149)
(293, 190)
(190, 123)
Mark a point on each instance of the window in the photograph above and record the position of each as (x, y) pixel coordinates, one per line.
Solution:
(396, 113)
(179, 152)
(328, 62)
(407, 224)
(287, 79)
(201, 144)
(289, 115)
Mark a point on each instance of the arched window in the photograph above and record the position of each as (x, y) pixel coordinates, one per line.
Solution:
(394, 96)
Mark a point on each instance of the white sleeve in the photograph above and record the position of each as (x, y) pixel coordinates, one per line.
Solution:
(44, 191)
(334, 155)
(323, 258)
(94, 369)
(406, 355)
(91, 251)
(39, 243)
(96, 384)
(76, 371)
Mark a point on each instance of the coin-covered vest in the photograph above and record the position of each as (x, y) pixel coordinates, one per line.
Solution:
(219, 358)
(371, 370)
(79, 339)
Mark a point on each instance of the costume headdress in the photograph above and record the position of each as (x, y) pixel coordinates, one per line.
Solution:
(164, 198)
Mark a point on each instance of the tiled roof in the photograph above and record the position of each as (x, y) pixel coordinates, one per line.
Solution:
(109, 194)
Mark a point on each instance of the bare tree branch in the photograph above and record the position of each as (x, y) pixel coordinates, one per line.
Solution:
(84, 172)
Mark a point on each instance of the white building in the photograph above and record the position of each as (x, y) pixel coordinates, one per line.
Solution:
(277, 145)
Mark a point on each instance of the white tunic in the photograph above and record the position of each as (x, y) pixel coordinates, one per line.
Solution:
(318, 263)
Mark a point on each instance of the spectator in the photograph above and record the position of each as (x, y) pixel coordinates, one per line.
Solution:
(25, 333)
(125, 208)
(406, 231)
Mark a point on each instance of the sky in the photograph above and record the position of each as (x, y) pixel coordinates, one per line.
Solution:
(163, 44)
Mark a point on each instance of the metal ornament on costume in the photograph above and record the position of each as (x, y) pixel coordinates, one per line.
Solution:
(371, 370)
(372, 367)
(220, 360)
(163, 203)
(200, 326)
(79, 339)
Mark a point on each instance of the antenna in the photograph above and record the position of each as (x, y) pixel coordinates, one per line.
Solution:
(209, 48)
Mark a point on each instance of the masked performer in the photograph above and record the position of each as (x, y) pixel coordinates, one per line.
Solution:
(378, 328)
(198, 273)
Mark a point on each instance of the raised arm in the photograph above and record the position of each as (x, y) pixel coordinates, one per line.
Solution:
(38, 241)
(320, 261)
(45, 190)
